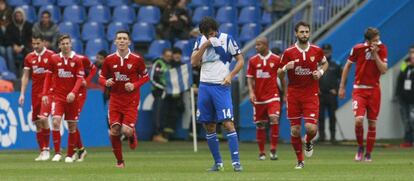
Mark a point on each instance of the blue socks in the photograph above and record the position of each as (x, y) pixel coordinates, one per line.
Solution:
(234, 146)
(213, 144)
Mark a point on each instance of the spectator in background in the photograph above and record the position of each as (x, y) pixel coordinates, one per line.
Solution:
(5, 19)
(276, 50)
(405, 95)
(277, 8)
(19, 36)
(48, 29)
(157, 77)
(173, 103)
(328, 97)
(175, 21)
(6, 86)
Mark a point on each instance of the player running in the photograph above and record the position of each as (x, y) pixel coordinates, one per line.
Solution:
(304, 63)
(35, 65)
(67, 71)
(125, 73)
(264, 95)
(214, 51)
(371, 61)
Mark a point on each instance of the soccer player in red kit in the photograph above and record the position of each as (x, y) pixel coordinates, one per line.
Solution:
(370, 58)
(124, 72)
(67, 70)
(35, 65)
(90, 71)
(304, 63)
(264, 95)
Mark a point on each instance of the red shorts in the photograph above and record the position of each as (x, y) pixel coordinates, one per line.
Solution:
(81, 101)
(304, 106)
(263, 111)
(39, 109)
(366, 101)
(123, 115)
(70, 110)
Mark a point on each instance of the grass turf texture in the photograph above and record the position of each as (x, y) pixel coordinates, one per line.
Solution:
(176, 161)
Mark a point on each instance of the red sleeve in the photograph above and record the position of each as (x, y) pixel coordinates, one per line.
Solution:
(353, 55)
(89, 66)
(79, 76)
(321, 55)
(284, 59)
(27, 63)
(104, 73)
(143, 74)
(383, 54)
(251, 69)
(46, 84)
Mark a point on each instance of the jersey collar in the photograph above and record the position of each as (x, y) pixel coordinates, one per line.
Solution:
(301, 50)
(41, 53)
(126, 56)
(71, 55)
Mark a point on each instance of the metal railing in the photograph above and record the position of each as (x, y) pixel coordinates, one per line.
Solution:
(322, 14)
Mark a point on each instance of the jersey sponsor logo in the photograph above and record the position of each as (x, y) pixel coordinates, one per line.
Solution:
(368, 55)
(302, 71)
(115, 66)
(59, 64)
(64, 74)
(261, 74)
(38, 70)
(259, 65)
(129, 66)
(121, 77)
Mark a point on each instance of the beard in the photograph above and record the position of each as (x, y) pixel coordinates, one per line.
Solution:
(303, 40)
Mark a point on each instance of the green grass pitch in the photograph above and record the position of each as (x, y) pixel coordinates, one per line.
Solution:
(177, 161)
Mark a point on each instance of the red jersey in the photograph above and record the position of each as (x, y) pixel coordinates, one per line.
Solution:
(89, 69)
(65, 72)
(306, 61)
(264, 72)
(367, 72)
(130, 69)
(38, 64)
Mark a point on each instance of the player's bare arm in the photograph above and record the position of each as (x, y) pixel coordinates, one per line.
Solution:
(237, 68)
(25, 80)
(381, 65)
(198, 54)
(251, 85)
(344, 76)
(317, 74)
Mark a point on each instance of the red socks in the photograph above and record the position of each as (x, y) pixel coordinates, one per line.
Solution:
(297, 146)
(309, 137)
(117, 147)
(40, 140)
(46, 137)
(261, 139)
(359, 132)
(79, 144)
(56, 141)
(71, 143)
(371, 138)
(274, 136)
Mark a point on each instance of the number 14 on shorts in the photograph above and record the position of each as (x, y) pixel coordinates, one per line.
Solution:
(227, 114)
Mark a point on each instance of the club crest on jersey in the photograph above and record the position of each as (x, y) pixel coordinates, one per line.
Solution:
(45, 60)
(115, 66)
(59, 64)
(33, 61)
(312, 58)
(259, 65)
(72, 64)
(129, 66)
(272, 65)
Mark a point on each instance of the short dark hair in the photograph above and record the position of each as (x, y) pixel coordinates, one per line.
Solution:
(63, 36)
(301, 23)
(103, 53)
(46, 12)
(326, 47)
(123, 31)
(165, 50)
(207, 24)
(371, 33)
(176, 50)
(38, 36)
